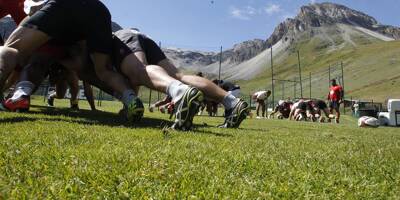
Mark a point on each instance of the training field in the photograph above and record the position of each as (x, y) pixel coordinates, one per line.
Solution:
(54, 153)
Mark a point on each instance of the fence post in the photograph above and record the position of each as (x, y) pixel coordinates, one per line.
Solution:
(273, 79)
(301, 82)
(329, 79)
(310, 87)
(294, 89)
(150, 98)
(344, 99)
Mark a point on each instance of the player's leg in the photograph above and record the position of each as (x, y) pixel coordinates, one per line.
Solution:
(73, 83)
(258, 107)
(263, 108)
(236, 110)
(155, 77)
(337, 110)
(31, 77)
(17, 50)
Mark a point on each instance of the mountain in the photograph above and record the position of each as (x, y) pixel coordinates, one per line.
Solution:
(328, 14)
(335, 25)
(326, 34)
(191, 59)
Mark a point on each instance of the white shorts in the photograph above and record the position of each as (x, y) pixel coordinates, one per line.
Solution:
(235, 93)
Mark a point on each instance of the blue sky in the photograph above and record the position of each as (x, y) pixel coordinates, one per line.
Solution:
(206, 24)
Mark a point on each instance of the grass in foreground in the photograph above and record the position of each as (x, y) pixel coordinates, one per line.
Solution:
(90, 155)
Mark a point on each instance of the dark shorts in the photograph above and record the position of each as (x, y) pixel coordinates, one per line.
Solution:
(75, 20)
(321, 105)
(119, 53)
(141, 43)
(334, 105)
(303, 106)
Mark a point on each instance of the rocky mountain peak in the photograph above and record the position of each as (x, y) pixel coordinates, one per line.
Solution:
(325, 14)
(329, 13)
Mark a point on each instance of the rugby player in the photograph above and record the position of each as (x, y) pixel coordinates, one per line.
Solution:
(260, 97)
(301, 110)
(284, 108)
(70, 21)
(186, 98)
(320, 106)
(335, 98)
(149, 53)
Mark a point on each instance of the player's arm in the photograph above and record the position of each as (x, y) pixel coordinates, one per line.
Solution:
(89, 95)
(273, 112)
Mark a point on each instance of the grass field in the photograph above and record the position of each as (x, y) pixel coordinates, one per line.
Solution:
(55, 153)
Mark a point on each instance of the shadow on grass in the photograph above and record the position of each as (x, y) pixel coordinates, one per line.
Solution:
(85, 117)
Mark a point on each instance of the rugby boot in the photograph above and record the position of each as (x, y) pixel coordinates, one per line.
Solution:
(235, 116)
(135, 110)
(21, 104)
(186, 108)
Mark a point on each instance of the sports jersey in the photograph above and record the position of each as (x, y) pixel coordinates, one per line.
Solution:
(335, 93)
(15, 8)
(284, 108)
(261, 95)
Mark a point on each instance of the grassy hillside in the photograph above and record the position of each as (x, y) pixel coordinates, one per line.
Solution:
(371, 66)
(54, 153)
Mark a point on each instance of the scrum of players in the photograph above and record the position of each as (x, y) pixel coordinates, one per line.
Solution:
(314, 110)
(72, 40)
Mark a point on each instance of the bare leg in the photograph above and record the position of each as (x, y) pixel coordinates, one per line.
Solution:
(263, 108)
(211, 90)
(113, 79)
(152, 76)
(61, 89)
(258, 108)
(337, 115)
(89, 95)
(18, 48)
(73, 82)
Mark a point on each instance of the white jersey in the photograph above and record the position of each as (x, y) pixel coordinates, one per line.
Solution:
(295, 105)
(261, 95)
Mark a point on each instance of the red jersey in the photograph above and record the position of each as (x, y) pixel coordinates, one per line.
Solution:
(15, 8)
(335, 93)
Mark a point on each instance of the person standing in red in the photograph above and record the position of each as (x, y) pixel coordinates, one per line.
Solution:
(15, 8)
(335, 98)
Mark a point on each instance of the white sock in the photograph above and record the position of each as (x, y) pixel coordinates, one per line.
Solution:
(24, 88)
(176, 90)
(230, 101)
(127, 97)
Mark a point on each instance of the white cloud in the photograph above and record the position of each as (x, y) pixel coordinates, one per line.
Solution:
(243, 13)
(273, 9)
(313, 1)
